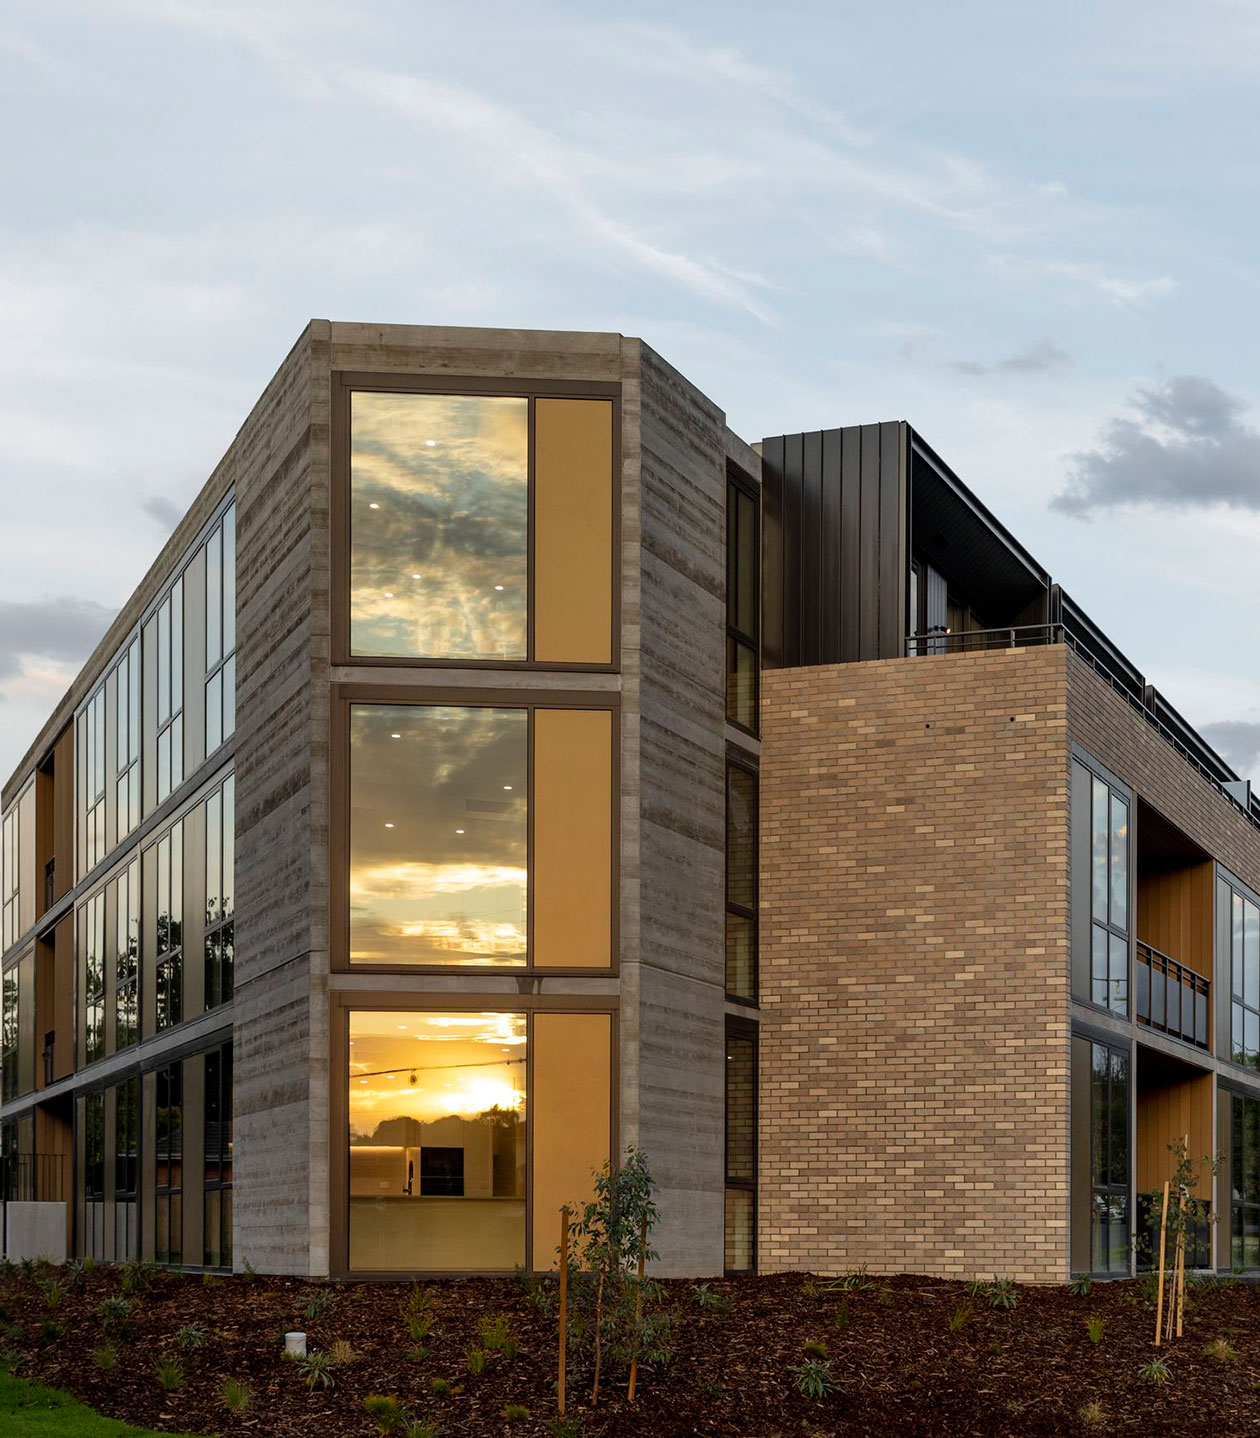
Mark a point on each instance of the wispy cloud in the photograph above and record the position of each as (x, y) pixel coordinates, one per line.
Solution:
(1238, 740)
(1040, 357)
(59, 629)
(1185, 446)
(1125, 292)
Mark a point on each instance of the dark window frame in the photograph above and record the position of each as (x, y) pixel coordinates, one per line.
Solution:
(1241, 899)
(217, 1121)
(741, 1031)
(219, 682)
(737, 760)
(127, 1163)
(1109, 927)
(168, 961)
(1108, 1192)
(737, 484)
(219, 968)
(168, 1160)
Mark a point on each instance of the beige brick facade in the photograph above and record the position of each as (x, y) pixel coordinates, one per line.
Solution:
(915, 966)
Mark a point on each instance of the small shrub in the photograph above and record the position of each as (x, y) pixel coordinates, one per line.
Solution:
(439, 1387)
(170, 1373)
(959, 1318)
(475, 1361)
(319, 1303)
(191, 1338)
(115, 1316)
(855, 1281)
(814, 1378)
(1095, 1327)
(138, 1274)
(715, 1301)
(813, 1348)
(1091, 1415)
(418, 1354)
(1080, 1287)
(49, 1331)
(494, 1332)
(52, 1292)
(422, 1428)
(538, 1294)
(386, 1413)
(248, 1272)
(106, 1357)
(419, 1326)
(1222, 1350)
(316, 1370)
(341, 1352)
(9, 1360)
(571, 1427)
(236, 1395)
(1002, 1293)
(975, 1287)
(1156, 1371)
(210, 1280)
(842, 1319)
(75, 1270)
(515, 1413)
(995, 1349)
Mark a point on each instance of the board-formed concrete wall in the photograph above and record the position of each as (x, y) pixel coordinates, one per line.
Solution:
(34, 1230)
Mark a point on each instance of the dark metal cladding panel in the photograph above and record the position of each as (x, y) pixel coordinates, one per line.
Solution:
(793, 454)
(811, 549)
(868, 545)
(892, 552)
(773, 543)
(850, 549)
(832, 448)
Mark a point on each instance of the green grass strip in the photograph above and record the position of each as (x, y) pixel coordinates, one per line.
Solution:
(28, 1410)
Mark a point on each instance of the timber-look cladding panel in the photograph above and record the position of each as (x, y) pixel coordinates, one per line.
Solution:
(914, 966)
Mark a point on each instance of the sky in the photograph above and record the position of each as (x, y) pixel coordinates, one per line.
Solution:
(1028, 231)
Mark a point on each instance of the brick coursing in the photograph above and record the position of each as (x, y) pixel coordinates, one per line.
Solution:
(915, 966)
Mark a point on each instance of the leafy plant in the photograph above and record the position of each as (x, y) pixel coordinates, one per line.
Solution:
(237, 1396)
(316, 1370)
(386, 1413)
(494, 1332)
(1002, 1293)
(570, 1427)
(420, 1326)
(842, 1319)
(539, 1293)
(854, 1282)
(440, 1387)
(616, 1315)
(975, 1287)
(49, 1331)
(138, 1274)
(341, 1352)
(515, 1413)
(170, 1373)
(1222, 1350)
(319, 1303)
(959, 1318)
(475, 1360)
(9, 1360)
(1091, 1415)
(115, 1315)
(713, 1300)
(814, 1378)
(248, 1272)
(190, 1338)
(1080, 1286)
(1156, 1371)
(422, 1428)
(75, 1270)
(814, 1348)
(1095, 1327)
(52, 1292)
(418, 1354)
(105, 1357)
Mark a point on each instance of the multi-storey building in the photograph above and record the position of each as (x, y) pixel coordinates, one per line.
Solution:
(504, 763)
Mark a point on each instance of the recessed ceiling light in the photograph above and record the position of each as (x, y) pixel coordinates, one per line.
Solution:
(374, 505)
(415, 576)
(395, 736)
(430, 443)
(459, 831)
(389, 826)
(499, 587)
(388, 595)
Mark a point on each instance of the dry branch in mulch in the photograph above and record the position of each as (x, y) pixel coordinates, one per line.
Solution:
(898, 1366)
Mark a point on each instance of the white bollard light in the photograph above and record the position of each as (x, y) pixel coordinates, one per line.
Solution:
(295, 1345)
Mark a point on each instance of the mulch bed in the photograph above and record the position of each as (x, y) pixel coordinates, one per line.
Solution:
(899, 1367)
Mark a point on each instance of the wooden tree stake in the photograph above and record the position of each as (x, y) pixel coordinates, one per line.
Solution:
(1159, 1302)
(564, 1302)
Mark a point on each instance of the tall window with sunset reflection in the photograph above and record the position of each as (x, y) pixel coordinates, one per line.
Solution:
(438, 835)
(437, 1140)
(439, 526)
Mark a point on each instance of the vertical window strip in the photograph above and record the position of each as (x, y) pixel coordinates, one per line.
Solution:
(1109, 1159)
(1244, 979)
(743, 604)
(741, 882)
(169, 959)
(170, 692)
(220, 901)
(741, 1149)
(168, 1164)
(217, 1179)
(1244, 1215)
(1109, 897)
(220, 680)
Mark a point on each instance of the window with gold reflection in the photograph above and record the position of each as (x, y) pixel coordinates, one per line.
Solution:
(439, 531)
(436, 1105)
(438, 835)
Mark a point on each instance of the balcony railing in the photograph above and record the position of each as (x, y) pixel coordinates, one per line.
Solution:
(966, 641)
(1171, 997)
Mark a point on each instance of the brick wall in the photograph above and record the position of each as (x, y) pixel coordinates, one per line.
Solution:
(915, 966)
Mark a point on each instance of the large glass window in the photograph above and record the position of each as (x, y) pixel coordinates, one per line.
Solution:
(17, 868)
(217, 1175)
(438, 835)
(126, 1169)
(439, 525)
(437, 1140)
(127, 755)
(1244, 1209)
(1245, 980)
(1109, 897)
(170, 692)
(741, 882)
(127, 956)
(92, 942)
(220, 896)
(743, 604)
(1109, 1159)
(169, 959)
(741, 1148)
(169, 1164)
(9, 1033)
(90, 739)
(92, 1224)
(220, 686)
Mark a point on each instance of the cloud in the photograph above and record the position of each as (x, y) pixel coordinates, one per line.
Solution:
(1037, 358)
(58, 629)
(1238, 740)
(1187, 447)
(165, 511)
(1123, 291)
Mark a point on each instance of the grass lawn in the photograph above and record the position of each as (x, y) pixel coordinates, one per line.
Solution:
(29, 1411)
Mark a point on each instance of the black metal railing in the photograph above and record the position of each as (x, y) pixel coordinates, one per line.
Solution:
(1171, 997)
(33, 1177)
(965, 641)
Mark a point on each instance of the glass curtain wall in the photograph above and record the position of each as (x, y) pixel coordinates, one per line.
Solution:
(1109, 1159)
(1109, 897)
(743, 604)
